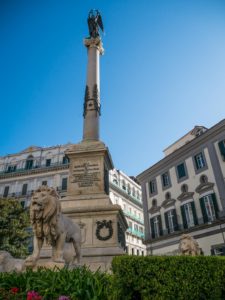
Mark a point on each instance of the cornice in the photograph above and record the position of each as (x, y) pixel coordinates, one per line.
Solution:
(183, 151)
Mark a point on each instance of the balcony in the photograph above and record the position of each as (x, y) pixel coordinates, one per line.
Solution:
(136, 233)
(126, 195)
(133, 217)
(33, 170)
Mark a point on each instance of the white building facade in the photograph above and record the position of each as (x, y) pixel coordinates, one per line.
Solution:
(24, 172)
(185, 193)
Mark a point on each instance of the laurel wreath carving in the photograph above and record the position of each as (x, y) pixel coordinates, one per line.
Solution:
(100, 226)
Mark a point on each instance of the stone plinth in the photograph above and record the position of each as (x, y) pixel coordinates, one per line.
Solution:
(88, 203)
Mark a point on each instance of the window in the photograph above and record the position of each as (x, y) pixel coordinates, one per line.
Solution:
(138, 195)
(154, 203)
(137, 252)
(135, 227)
(64, 184)
(123, 185)
(24, 189)
(6, 192)
(29, 164)
(128, 189)
(171, 220)
(115, 180)
(65, 160)
(130, 224)
(165, 180)
(181, 171)
(133, 192)
(199, 161)
(11, 169)
(218, 250)
(156, 226)
(221, 145)
(188, 213)
(44, 182)
(184, 188)
(209, 207)
(48, 162)
(152, 187)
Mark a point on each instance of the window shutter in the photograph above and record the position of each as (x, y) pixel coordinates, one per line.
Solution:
(183, 216)
(215, 204)
(194, 213)
(221, 145)
(204, 214)
(175, 220)
(167, 221)
(152, 228)
(160, 225)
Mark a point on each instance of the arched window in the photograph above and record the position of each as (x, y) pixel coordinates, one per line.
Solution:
(128, 189)
(184, 188)
(203, 179)
(154, 202)
(115, 180)
(123, 185)
(168, 196)
(29, 162)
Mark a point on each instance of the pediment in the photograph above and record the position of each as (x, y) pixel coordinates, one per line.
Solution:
(185, 195)
(168, 202)
(204, 187)
(31, 149)
(154, 209)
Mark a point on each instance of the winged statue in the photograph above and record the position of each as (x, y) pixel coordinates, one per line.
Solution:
(94, 23)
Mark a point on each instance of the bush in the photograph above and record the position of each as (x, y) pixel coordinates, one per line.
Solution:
(14, 223)
(77, 284)
(169, 277)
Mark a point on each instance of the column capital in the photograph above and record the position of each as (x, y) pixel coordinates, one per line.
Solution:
(94, 43)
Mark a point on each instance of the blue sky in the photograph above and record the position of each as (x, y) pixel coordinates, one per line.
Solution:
(163, 72)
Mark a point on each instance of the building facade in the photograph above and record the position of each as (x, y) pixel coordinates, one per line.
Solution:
(24, 172)
(185, 193)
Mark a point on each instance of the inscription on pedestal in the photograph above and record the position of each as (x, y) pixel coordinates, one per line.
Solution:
(86, 174)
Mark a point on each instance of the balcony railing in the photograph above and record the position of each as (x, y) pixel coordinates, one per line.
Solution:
(134, 217)
(34, 168)
(130, 196)
(136, 232)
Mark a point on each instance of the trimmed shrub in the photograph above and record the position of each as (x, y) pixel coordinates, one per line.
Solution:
(169, 277)
(76, 284)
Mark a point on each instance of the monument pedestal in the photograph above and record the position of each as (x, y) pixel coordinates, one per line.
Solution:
(88, 204)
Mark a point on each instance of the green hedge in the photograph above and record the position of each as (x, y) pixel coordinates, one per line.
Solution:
(169, 277)
(133, 277)
(77, 284)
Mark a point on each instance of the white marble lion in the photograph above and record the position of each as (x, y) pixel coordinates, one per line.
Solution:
(51, 225)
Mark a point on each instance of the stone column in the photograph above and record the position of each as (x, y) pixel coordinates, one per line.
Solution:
(92, 93)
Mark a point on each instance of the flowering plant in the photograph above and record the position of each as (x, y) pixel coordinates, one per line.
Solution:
(32, 295)
(64, 298)
(14, 290)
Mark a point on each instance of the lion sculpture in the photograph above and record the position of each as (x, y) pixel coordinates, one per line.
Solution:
(51, 225)
(189, 246)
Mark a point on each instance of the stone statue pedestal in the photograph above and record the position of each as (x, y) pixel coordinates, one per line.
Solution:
(45, 264)
(88, 203)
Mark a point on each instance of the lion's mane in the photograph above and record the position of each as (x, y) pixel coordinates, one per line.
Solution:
(192, 246)
(44, 222)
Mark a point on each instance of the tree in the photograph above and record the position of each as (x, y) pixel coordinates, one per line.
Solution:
(14, 227)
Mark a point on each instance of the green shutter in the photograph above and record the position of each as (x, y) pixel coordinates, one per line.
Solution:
(175, 220)
(160, 225)
(204, 214)
(183, 216)
(221, 145)
(215, 204)
(167, 221)
(194, 213)
(152, 228)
